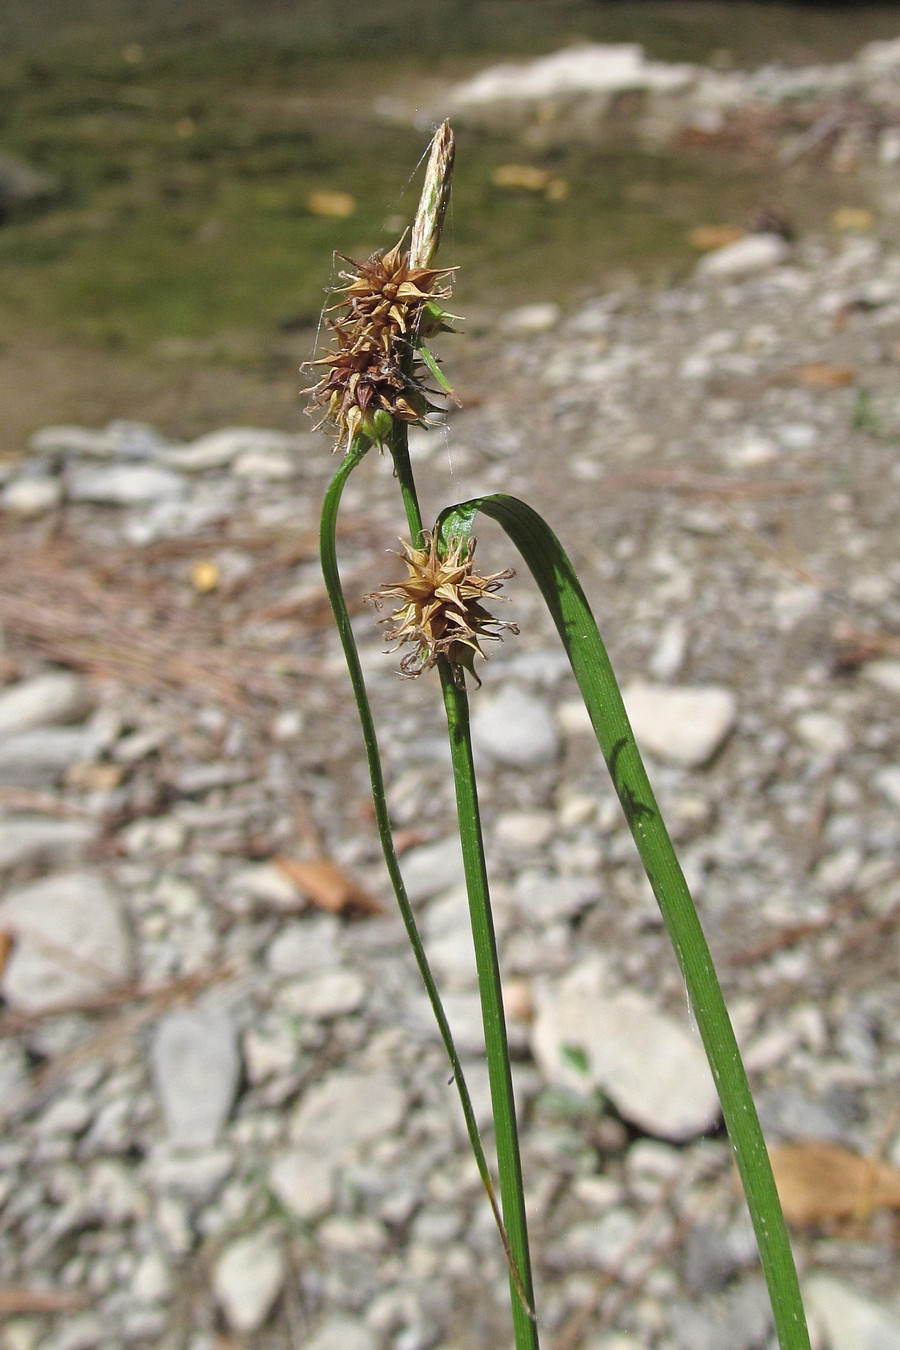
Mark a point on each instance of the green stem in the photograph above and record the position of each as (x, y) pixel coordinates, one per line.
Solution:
(509, 1163)
(330, 572)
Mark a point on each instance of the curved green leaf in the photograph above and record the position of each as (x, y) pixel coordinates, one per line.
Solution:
(571, 613)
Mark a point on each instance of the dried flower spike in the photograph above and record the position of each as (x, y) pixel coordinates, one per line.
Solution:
(374, 374)
(441, 612)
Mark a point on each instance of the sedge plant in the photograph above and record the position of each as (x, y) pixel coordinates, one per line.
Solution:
(379, 378)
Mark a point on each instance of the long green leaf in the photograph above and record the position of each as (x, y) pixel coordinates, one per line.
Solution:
(331, 574)
(571, 613)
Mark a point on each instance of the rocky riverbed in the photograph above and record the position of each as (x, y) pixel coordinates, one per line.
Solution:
(226, 1114)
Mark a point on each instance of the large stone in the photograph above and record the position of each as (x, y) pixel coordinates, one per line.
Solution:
(432, 868)
(40, 757)
(303, 1182)
(196, 1068)
(348, 1109)
(122, 484)
(652, 1068)
(58, 696)
(247, 1279)
(331, 993)
(513, 727)
(32, 495)
(42, 839)
(345, 1333)
(744, 258)
(70, 941)
(680, 725)
(849, 1319)
(591, 68)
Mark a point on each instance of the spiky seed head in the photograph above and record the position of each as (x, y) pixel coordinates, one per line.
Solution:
(441, 615)
(373, 366)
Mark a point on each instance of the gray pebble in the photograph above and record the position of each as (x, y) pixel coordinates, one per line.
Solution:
(196, 1069)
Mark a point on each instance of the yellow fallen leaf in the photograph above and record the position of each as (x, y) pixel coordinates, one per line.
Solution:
(825, 375)
(205, 575)
(855, 219)
(526, 176)
(557, 190)
(6, 946)
(707, 237)
(818, 1181)
(325, 884)
(339, 204)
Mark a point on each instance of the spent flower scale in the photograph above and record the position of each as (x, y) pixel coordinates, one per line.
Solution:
(374, 373)
(441, 614)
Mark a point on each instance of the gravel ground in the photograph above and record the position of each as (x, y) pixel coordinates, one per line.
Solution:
(226, 1115)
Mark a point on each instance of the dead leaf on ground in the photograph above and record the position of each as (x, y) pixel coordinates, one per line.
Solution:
(821, 375)
(325, 884)
(6, 946)
(818, 1181)
(526, 176)
(16, 1301)
(707, 237)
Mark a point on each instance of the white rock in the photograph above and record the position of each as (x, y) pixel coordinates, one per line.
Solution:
(333, 993)
(544, 898)
(58, 696)
(122, 484)
(591, 68)
(218, 449)
(196, 1068)
(513, 727)
(849, 1319)
(528, 320)
(348, 1109)
(824, 733)
(432, 868)
(304, 946)
(247, 1279)
(267, 466)
(303, 1182)
(884, 673)
(151, 1282)
(525, 829)
(265, 882)
(888, 781)
(269, 1052)
(669, 653)
(653, 1069)
(342, 1333)
(41, 839)
(680, 725)
(197, 1176)
(744, 258)
(31, 496)
(71, 941)
(40, 757)
(66, 440)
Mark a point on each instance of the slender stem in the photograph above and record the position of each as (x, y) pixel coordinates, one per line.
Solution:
(426, 236)
(509, 1163)
(512, 1196)
(331, 574)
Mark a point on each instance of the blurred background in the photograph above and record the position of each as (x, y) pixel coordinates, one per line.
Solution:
(174, 177)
